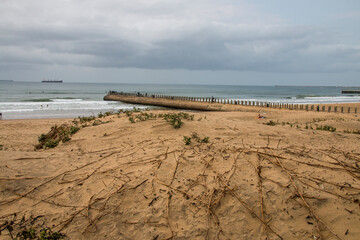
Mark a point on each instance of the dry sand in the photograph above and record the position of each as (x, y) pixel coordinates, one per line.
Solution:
(125, 180)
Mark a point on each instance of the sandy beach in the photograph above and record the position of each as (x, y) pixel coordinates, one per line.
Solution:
(290, 175)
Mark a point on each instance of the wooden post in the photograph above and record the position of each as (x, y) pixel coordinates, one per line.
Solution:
(349, 110)
(307, 107)
(323, 108)
(329, 109)
(355, 110)
(342, 109)
(335, 109)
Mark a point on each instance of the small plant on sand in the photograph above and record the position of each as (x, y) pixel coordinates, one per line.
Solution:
(108, 113)
(352, 131)
(319, 119)
(74, 129)
(97, 122)
(2, 147)
(131, 119)
(45, 234)
(51, 143)
(27, 234)
(176, 122)
(195, 136)
(24, 233)
(136, 109)
(205, 140)
(66, 138)
(86, 119)
(54, 136)
(42, 138)
(101, 115)
(270, 123)
(174, 119)
(187, 140)
(326, 128)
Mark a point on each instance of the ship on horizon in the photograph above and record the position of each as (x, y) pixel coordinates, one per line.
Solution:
(51, 81)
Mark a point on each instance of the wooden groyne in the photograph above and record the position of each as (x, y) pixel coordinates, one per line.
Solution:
(216, 104)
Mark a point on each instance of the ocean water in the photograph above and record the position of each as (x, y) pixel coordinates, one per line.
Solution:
(23, 100)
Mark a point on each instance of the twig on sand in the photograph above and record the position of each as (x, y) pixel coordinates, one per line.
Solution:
(169, 198)
(260, 188)
(248, 208)
(312, 212)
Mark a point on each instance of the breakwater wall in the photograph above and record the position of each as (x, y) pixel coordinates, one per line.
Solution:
(217, 104)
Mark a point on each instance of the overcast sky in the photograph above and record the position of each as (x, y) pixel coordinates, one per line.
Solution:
(258, 42)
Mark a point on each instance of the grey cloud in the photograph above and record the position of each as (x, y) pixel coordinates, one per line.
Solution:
(161, 35)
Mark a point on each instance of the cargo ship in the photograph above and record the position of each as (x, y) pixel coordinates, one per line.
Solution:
(51, 81)
(350, 91)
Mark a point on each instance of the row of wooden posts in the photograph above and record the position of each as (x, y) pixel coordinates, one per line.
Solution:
(290, 106)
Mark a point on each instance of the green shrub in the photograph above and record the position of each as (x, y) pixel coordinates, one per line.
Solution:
(66, 139)
(187, 140)
(270, 123)
(97, 122)
(174, 119)
(131, 119)
(42, 138)
(27, 234)
(352, 131)
(326, 128)
(45, 234)
(205, 140)
(74, 129)
(86, 119)
(51, 143)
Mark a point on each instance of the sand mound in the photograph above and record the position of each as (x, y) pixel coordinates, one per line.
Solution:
(124, 180)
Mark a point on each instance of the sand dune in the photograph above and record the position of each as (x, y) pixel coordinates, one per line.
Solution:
(123, 180)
